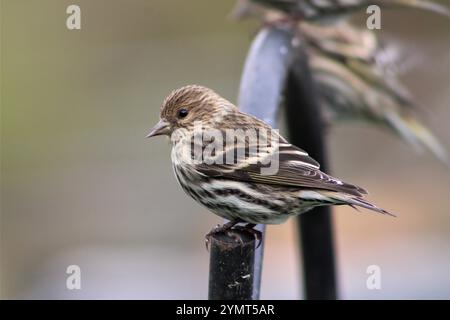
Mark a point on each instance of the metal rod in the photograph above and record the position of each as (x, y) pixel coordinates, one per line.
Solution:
(231, 266)
(235, 268)
(305, 128)
(262, 84)
(260, 92)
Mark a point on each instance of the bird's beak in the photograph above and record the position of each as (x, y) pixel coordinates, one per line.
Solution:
(162, 127)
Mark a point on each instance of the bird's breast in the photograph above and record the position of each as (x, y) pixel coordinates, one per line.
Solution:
(183, 163)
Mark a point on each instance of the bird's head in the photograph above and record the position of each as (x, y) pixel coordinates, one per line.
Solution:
(189, 105)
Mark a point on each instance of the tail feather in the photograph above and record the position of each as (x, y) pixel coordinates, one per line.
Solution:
(352, 201)
(425, 5)
(417, 135)
(247, 7)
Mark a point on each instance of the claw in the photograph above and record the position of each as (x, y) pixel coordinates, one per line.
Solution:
(218, 229)
(207, 237)
(228, 227)
(249, 227)
(235, 237)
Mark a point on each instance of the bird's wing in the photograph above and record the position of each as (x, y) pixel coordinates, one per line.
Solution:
(279, 163)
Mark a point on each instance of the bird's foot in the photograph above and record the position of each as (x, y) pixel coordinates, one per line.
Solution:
(228, 228)
(250, 227)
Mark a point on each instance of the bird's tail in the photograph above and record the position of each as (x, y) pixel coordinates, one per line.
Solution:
(427, 5)
(353, 201)
(417, 135)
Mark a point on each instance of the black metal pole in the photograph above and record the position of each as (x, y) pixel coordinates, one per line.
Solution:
(276, 63)
(231, 266)
(305, 128)
(261, 89)
(260, 93)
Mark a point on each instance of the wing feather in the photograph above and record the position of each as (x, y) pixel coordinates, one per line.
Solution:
(295, 167)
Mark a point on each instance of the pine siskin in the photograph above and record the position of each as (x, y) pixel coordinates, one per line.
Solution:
(356, 79)
(233, 179)
(356, 76)
(325, 9)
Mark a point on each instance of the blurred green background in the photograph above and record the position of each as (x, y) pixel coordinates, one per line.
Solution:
(81, 185)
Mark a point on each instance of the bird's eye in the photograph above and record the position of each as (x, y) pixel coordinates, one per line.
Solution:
(182, 113)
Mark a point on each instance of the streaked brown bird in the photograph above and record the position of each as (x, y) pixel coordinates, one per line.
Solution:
(357, 79)
(234, 179)
(326, 9)
(357, 75)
